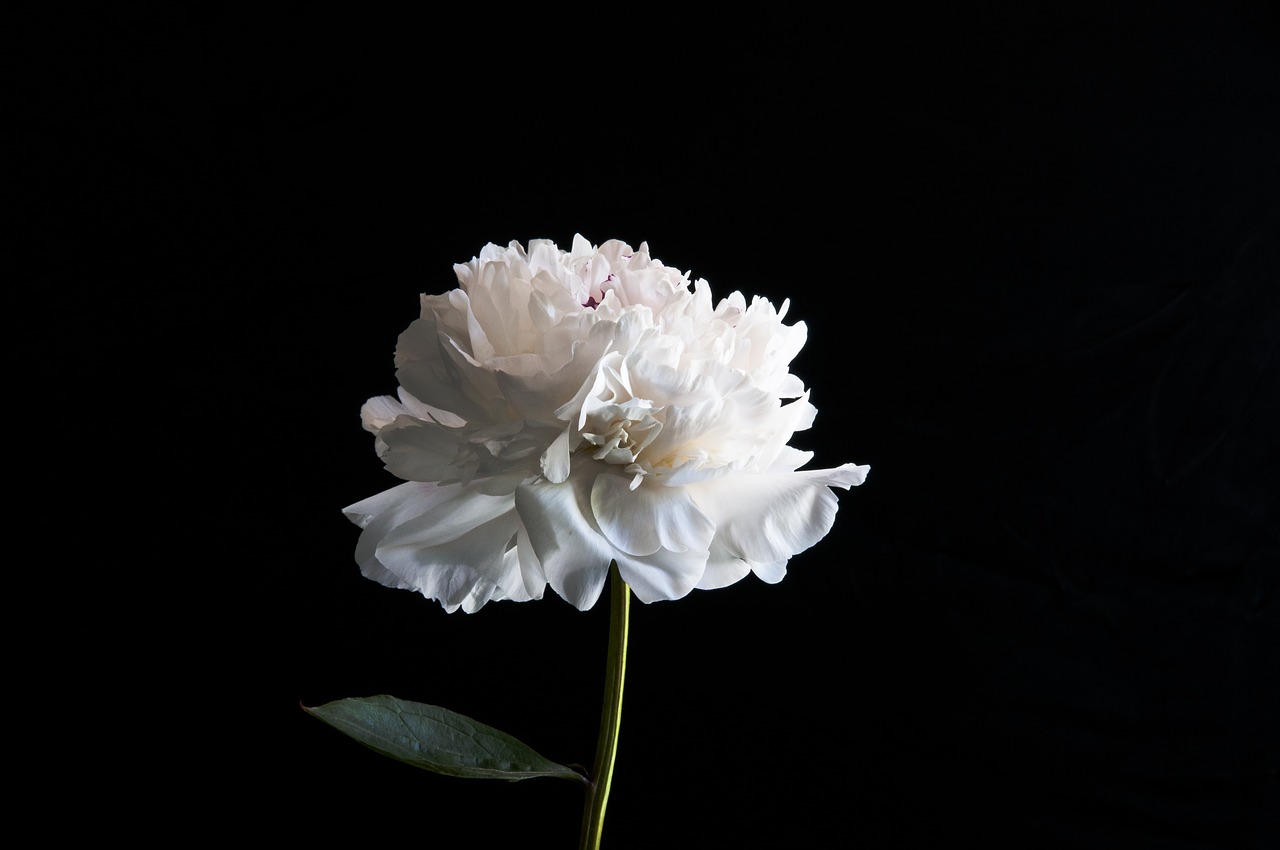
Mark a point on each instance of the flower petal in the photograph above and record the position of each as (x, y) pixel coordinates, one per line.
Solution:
(722, 570)
(430, 367)
(648, 518)
(575, 553)
(769, 517)
(664, 575)
(555, 460)
(449, 543)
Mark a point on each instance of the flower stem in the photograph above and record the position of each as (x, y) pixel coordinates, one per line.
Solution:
(610, 713)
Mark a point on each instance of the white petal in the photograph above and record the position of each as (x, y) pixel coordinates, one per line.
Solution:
(771, 573)
(648, 518)
(380, 411)
(575, 554)
(430, 368)
(555, 460)
(768, 517)
(663, 575)
(722, 570)
(500, 308)
(535, 580)
(380, 513)
(424, 411)
(421, 451)
(449, 543)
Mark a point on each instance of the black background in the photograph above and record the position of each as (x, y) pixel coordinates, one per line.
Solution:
(1037, 257)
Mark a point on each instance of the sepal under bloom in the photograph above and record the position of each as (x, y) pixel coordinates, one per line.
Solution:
(560, 410)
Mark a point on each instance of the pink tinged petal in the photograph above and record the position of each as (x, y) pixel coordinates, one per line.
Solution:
(650, 517)
(766, 518)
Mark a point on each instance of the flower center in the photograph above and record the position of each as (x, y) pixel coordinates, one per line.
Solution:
(621, 432)
(596, 292)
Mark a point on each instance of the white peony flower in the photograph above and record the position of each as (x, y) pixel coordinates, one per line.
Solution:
(562, 410)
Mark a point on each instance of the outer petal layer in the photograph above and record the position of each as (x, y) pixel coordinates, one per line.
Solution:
(765, 518)
(575, 552)
(448, 542)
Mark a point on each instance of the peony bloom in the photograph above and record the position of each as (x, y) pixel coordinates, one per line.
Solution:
(562, 410)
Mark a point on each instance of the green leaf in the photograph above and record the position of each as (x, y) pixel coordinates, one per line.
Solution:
(437, 739)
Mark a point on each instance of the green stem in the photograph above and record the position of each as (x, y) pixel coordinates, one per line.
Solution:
(610, 713)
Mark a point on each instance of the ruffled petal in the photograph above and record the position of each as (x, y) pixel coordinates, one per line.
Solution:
(555, 460)
(664, 575)
(650, 517)
(448, 542)
(429, 367)
(769, 517)
(421, 451)
(575, 553)
(380, 411)
(723, 569)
